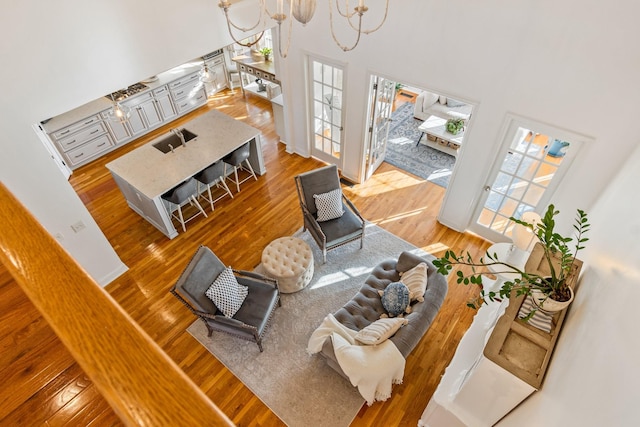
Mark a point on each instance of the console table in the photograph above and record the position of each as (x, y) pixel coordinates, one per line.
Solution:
(438, 137)
(260, 69)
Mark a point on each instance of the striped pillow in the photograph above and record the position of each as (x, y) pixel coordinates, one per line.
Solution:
(380, 330)
(416, 281)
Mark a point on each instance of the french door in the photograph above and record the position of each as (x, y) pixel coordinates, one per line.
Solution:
(381, 98)
(533, 160)
(327, 96)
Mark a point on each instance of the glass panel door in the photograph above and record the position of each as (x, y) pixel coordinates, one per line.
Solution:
(533, 162)
(381, 98)
(327, 97)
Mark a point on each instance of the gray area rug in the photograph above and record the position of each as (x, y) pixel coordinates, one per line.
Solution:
(301, 389)
(425, 162)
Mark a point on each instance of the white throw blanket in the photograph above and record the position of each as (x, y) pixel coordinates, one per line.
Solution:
(373, 369)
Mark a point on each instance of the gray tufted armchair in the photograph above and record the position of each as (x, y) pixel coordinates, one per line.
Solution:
(336, 232)
(251, 320)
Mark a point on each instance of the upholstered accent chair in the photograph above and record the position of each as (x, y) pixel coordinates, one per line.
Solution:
(252, 318)
(335, 232)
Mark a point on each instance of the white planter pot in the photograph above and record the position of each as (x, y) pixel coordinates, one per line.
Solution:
(547, 304)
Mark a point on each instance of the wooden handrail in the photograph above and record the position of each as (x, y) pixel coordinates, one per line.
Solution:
(141, 383)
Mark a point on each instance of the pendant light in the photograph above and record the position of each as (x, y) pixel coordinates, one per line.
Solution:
(118, 112)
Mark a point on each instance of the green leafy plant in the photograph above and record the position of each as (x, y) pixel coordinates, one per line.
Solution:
(558, 253)
(266, 51)
(455, 126)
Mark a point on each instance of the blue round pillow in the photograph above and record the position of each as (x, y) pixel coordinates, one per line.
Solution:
(395, 298)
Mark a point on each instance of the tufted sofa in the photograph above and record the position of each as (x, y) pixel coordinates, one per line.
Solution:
(365, 307)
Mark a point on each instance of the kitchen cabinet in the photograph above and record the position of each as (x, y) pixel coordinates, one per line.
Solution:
(118, 130)
(164, 103)
(218, 70)
(89, 150)
(82, 140)
(85, 133)
(144, 114)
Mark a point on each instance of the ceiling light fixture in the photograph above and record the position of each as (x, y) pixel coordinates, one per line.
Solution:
(118, 112)
(302, 11)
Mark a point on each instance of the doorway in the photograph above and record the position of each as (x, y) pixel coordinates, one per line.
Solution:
(533, 159)
(327, 95)
(418, 141)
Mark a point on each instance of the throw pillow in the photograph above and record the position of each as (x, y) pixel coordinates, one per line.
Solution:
(442, 100)
(395, 299)
(329, 205)
(226, 293)
(429, 99)
(454, 103)
(380, 330)
(416, 281)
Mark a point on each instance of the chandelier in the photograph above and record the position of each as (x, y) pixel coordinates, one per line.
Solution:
(302, 11)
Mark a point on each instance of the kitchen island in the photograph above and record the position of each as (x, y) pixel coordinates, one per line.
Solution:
(146, 173)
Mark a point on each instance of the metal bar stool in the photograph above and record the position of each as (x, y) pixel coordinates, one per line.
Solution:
(180, 195)
(238, 159)
(213, 174)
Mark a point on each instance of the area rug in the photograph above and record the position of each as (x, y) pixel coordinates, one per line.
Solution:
(402, 152)
(301, 389)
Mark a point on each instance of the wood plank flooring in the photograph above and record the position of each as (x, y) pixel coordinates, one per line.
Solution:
(42, 385)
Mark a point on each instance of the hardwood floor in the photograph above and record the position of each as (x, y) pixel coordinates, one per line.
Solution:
(42, 385)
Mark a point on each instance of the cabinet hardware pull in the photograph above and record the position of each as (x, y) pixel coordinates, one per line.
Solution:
(65, 132)
(97, 130)
(101, 145)
(79, 155)
(89, 122)
(71, 142)
(180, 93)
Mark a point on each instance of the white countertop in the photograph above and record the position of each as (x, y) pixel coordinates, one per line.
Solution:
(153, 173)
(101, 104)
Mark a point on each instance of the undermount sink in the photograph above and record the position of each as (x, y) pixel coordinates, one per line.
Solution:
(173, 140)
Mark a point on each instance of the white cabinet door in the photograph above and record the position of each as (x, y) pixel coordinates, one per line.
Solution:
(164, 103)
(150, 113)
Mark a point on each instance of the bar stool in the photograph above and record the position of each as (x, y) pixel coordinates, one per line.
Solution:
(180, 195)
(213, 174)
(236, 159)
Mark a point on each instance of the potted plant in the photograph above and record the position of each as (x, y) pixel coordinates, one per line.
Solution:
(266, 52)
(455, 126)
(547, 290)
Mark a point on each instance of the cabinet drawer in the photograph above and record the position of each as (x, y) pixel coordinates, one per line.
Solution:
(187, 90)
(89, 150)
(217, 61)
(82, 136)
(138, 99)
(161, 90)
(183, 80)
(76, 126)
(189, 103)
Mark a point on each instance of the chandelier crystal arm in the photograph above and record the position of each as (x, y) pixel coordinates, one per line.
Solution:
(333, 34)
(224, 5)
(346, 13)
(372, 30)
(279, 18)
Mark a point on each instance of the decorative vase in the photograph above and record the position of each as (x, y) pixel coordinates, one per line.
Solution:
(266, 57)
(547, 304)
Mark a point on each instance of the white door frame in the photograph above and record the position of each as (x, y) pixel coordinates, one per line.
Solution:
(338, 161)
(510, 127)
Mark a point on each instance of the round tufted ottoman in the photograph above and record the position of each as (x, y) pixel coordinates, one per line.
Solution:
(290, 261)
